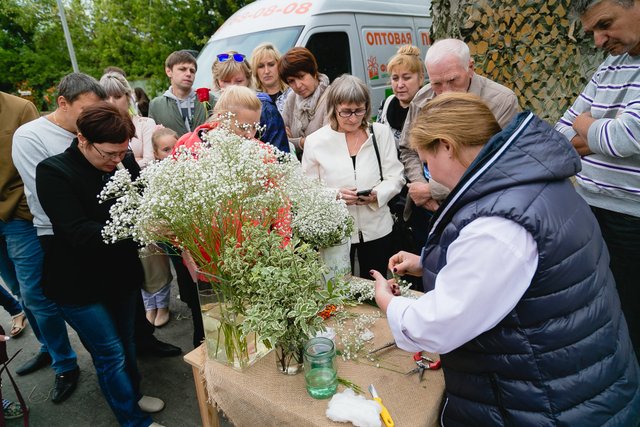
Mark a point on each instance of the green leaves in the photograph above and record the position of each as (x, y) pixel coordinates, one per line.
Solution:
(283, 288)
(136, 35)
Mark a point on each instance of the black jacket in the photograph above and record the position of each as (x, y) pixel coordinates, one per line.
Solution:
(79, 268)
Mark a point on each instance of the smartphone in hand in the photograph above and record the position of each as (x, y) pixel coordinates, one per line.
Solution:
(364, 193)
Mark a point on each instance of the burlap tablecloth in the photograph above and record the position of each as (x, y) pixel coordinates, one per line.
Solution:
(262, 396)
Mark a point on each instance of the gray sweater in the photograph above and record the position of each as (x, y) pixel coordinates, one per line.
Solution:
(32, 143)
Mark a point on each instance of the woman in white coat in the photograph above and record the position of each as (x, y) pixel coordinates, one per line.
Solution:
(363, 169)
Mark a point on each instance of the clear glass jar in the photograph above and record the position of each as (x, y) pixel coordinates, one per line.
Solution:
(320, 372)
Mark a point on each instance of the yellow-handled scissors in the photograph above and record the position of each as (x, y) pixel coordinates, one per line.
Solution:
(386, 417)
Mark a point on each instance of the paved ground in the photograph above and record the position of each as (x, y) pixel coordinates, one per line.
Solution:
(167, 378)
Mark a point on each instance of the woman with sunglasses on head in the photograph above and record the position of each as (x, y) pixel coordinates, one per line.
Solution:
(305, 110)
(96, 284)
(264, 65)
(231, 68)
(361, 164)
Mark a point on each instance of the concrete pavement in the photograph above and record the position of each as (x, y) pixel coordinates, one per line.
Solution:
(167, 378)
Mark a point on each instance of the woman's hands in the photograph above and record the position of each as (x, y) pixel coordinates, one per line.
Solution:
(350, 196)
(405, 263)
(385, 290)
(401, 263)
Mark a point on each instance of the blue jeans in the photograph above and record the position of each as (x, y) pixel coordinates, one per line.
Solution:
(9, 303)
(21, 269)
(621, 233)
(107, 332)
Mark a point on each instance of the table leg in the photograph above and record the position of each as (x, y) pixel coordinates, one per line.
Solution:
(208, 414)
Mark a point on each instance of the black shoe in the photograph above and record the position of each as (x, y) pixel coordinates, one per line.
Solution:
(39, 361)
(158, 348)
(66, 383)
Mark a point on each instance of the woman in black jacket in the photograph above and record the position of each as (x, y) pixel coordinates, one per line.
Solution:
(95, 283)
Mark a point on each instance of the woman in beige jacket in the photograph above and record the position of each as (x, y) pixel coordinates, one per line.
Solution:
(305, 109)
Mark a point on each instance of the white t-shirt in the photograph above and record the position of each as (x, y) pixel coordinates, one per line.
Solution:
(32, 143)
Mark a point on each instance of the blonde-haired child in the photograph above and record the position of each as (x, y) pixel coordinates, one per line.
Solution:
(156, 301)
(163, 140)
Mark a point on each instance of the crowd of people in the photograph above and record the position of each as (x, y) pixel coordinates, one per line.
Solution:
(525, 237)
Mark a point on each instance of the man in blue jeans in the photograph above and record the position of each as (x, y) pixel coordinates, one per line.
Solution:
(21, 259)
(603, 124)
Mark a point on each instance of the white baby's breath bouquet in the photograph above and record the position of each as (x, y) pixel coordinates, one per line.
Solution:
(203, 199)
(318, 217)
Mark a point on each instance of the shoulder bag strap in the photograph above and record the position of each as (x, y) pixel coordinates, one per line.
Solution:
(375, 147)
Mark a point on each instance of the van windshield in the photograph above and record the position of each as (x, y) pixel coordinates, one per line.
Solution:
(282, 38)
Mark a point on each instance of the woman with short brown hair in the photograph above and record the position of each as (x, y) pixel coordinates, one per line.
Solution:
(96, 284)
(360, 163)
(305, 110)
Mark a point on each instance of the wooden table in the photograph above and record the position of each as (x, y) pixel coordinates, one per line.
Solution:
(262, 396)
(208, 414)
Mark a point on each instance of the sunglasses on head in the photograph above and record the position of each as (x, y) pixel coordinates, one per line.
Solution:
(224, 57)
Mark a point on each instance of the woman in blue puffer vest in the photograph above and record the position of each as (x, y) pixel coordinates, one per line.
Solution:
(519, 299)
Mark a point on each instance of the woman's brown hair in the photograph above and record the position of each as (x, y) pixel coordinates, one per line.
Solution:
(104, 122)
(297, 61)
(347, 89)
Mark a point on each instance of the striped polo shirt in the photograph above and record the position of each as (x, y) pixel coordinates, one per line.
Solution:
(610, 178)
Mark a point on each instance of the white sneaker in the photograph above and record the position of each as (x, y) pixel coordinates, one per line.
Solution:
(155, 425)
(150, 404)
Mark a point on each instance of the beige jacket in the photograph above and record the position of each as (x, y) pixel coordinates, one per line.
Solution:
(500, 99)
(14, 112)
(305, 116)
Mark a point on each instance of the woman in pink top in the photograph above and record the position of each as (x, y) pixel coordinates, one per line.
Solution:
(119, 93)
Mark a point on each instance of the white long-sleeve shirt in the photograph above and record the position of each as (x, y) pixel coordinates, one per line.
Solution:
(489, 267)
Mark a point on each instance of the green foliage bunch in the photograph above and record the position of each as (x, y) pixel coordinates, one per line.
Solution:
(284, 286)
(135, 35)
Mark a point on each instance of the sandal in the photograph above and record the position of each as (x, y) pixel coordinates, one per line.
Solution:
(12, 410)
(18, 323)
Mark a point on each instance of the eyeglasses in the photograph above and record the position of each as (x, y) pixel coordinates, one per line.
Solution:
(224, 57)
(111, 156)
(348, 113)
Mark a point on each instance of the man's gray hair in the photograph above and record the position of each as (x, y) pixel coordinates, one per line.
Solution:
(579, 7)
(75, 84)
(447, 48)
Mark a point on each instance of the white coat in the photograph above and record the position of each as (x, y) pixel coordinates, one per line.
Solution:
(327, 158)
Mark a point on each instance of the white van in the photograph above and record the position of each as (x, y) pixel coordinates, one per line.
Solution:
(346, 36)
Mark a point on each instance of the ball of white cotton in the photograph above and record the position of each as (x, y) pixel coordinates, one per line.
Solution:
(350, 407)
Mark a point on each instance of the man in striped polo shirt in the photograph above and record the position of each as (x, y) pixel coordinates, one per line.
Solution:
(603, 125)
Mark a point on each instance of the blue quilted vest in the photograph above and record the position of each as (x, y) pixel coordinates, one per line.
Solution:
(562, 356)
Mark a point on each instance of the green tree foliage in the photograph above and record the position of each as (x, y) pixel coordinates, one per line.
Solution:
(135, 35)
